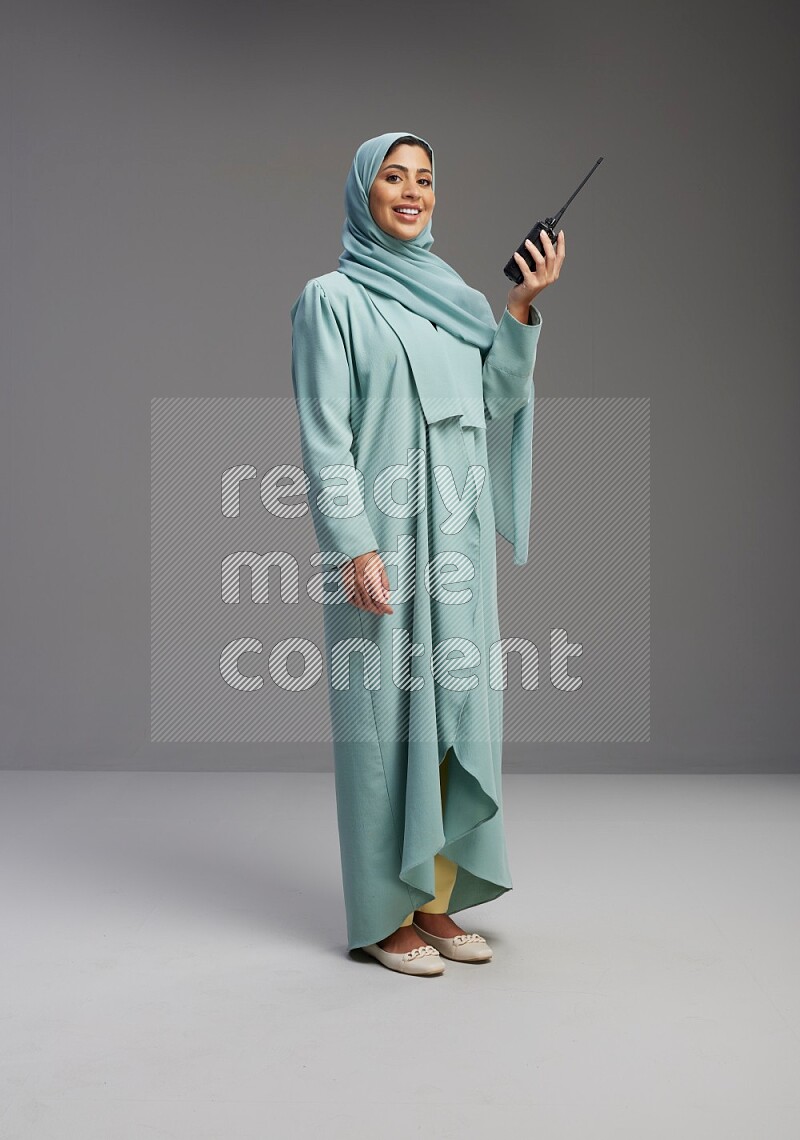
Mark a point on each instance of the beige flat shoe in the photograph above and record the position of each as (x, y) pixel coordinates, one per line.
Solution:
(424, 961)
(462, 948)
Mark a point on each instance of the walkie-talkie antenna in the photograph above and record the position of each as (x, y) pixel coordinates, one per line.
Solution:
(553, 222)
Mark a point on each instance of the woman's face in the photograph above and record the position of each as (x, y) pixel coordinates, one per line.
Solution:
(401, 199)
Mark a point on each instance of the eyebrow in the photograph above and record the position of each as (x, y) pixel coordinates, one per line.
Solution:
(397, 166)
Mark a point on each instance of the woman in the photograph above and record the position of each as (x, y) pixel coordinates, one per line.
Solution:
(416, 419)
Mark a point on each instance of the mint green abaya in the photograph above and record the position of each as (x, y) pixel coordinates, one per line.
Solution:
(416, 419)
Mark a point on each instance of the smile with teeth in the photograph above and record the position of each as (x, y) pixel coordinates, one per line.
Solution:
(410, 211)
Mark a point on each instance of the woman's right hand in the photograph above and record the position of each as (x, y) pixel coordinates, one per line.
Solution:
(366, 583)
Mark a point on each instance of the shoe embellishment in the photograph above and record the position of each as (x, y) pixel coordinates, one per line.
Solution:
(460, 939)
(419, 952)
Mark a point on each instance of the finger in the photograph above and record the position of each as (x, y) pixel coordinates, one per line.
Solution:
(380, 589)
(355, 592)
(530, 276)
(365, 580)
(535, 253)
(546, 270)
(373, 606)
(374, 574)
(365, 602)
(374, 588)
(367, 596)
(552, 261)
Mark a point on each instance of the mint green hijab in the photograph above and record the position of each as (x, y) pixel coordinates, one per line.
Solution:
(406, 270)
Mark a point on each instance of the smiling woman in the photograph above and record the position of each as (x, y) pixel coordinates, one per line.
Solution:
(398, 364)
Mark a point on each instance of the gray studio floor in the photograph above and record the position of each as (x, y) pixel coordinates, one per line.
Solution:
(173, 965)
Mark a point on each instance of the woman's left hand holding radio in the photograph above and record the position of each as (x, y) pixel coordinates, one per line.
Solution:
(534, 280)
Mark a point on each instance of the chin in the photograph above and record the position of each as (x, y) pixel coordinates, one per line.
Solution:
(407, 234)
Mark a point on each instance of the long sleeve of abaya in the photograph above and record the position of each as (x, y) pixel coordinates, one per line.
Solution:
(508, 401)
(508, 366)
(321, 382)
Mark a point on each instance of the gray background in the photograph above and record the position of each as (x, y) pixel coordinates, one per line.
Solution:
(173, 174)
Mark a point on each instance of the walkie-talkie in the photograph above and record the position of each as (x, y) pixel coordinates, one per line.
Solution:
(511, 269)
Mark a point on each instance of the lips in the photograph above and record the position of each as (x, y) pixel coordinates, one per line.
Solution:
(403, 210)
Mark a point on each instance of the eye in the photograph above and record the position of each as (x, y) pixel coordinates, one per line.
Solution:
(394, 174)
